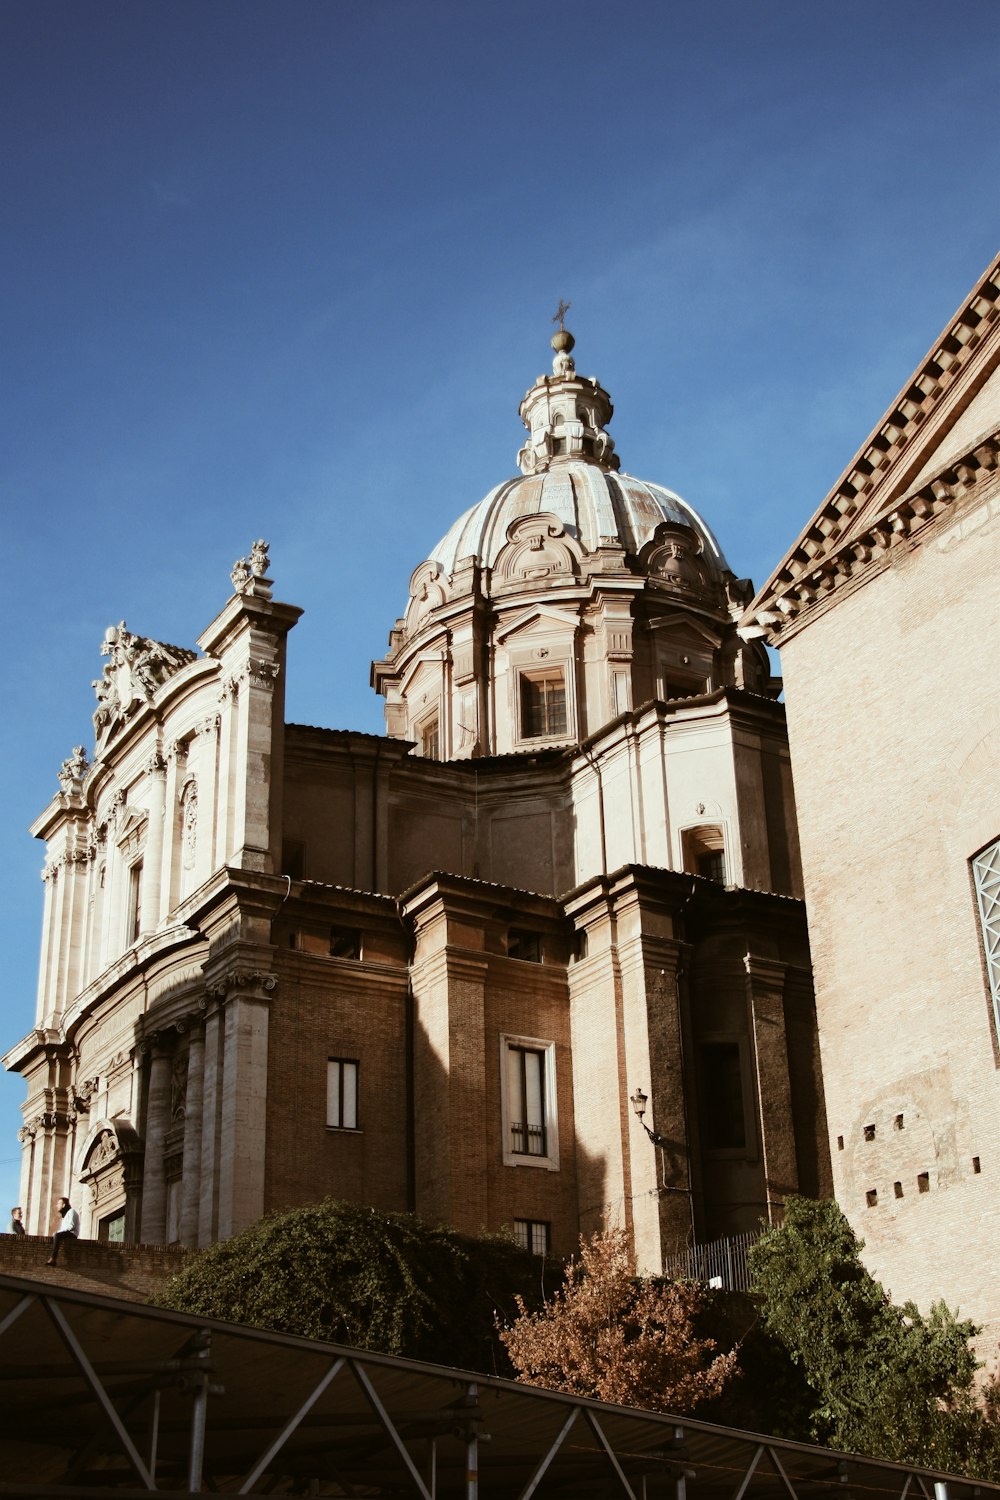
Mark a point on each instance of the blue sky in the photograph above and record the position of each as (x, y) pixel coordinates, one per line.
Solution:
(285, 270)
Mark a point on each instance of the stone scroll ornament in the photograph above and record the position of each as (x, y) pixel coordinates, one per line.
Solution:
(136, 667)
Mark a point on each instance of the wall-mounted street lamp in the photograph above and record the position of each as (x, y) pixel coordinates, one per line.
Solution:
(638, 1101)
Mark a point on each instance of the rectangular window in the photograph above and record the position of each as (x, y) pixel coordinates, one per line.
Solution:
(543, 705)
(345, 942)
(986, 879)
(430, 739)
(533, 1235)
(529, 1103)
(525, 945)
(720, 1080)
(134, 924)
(342, 1093)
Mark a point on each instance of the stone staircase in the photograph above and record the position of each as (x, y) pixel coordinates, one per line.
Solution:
(134, 1272)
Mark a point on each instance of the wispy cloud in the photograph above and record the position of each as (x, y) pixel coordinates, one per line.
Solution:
(167, 196)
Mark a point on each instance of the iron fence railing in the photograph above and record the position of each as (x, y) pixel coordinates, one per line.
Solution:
(722, 1262)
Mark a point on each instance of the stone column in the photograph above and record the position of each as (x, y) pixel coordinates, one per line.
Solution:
(765, 989)
(154, 1186)
(193, 1121)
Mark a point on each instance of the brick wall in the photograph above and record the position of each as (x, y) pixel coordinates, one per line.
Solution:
(134, 1272)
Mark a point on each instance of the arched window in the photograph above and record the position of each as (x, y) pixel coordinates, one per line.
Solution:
(704, 852)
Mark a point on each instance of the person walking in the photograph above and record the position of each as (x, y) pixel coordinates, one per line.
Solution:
(16, 1227)
(69, 1228)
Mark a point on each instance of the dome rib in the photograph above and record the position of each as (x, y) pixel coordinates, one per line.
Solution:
(590, 502)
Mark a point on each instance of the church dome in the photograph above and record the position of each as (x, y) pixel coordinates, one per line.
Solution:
(571, 593)
(596, 507)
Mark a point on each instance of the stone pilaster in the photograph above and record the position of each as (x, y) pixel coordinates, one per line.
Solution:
(157, 1121)
(193, 1127)
(241, 1100)
(765, 991)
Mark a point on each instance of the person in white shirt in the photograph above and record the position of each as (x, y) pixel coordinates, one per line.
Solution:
(68, 1229)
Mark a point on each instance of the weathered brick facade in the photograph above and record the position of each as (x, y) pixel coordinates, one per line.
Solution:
(282, 962)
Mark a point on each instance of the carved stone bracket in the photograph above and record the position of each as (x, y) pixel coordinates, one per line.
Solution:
(260, 673)
(82, 1094)
(239, 979)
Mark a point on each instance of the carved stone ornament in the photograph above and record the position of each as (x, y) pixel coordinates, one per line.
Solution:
(73, 770)
(136, 668)
(537, 548)
(189, 823)
(239, 979)
(82, 1094)
(427, 591)
(249, 574)
(673, 560)
(262, 674)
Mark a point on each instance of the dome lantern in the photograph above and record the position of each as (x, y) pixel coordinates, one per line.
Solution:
(566, 414)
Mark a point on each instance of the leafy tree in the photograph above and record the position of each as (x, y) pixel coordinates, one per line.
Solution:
(373, 1280)
(886, 1380)
(610, 1334)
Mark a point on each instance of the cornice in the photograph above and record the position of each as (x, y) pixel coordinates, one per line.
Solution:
(832, 552)
(809, 592)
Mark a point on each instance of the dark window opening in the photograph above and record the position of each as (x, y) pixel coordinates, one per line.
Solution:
(723, 1119)
(135, 902)
(525, 945)
(345, 942)
(703, 850)
(293, 859)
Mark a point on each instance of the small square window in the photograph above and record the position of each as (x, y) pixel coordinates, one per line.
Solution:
(342, 1093)
(525, 945)
(345, 942)
(533, 1235)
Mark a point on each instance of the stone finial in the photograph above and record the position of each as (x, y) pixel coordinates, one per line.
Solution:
(73, 770)
(563, 343)
(249, 574)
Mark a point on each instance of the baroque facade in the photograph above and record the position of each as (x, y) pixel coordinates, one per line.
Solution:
(887, 612)
(440, 969)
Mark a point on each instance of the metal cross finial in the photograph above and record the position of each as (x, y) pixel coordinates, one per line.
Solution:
(561, 312)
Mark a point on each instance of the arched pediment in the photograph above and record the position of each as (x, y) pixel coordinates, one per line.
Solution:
(427, 591)
(672, 559)
(537, 548)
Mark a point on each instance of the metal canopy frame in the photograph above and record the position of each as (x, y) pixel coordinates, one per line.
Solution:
(114, 1399)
